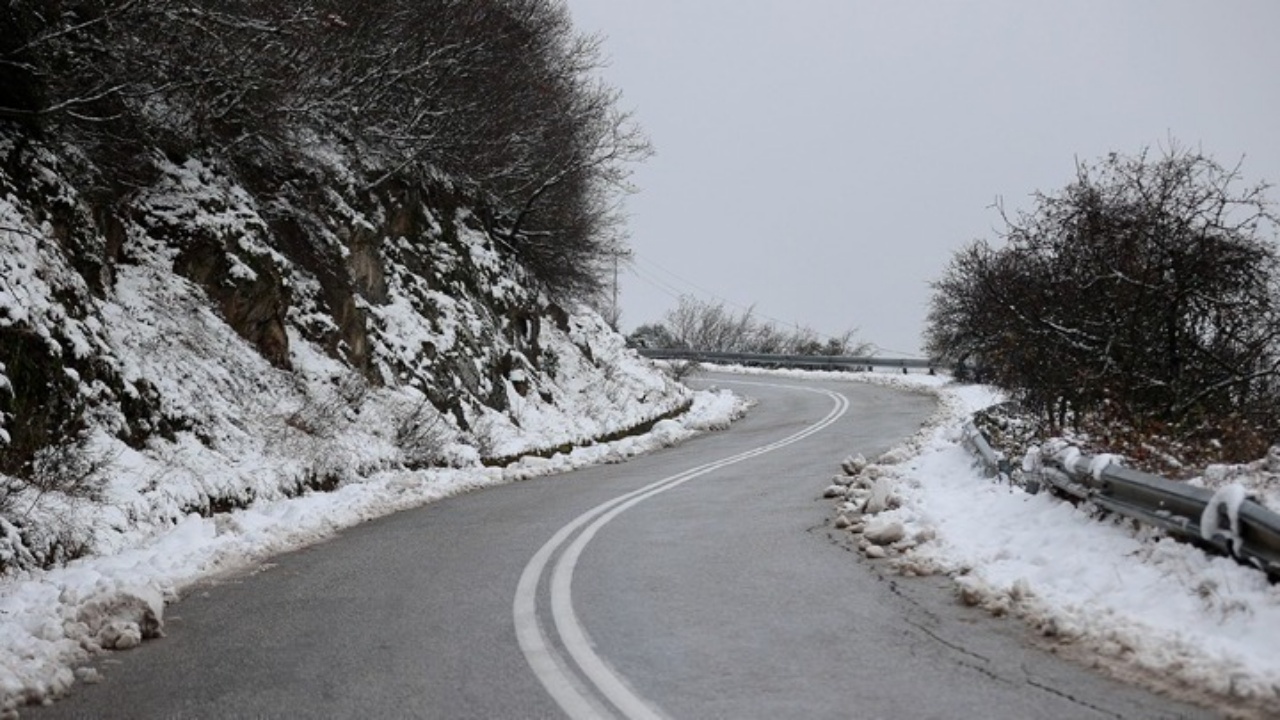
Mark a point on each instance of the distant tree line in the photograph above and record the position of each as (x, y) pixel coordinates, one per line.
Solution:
(496, 96)
(1144, 293)
(710, 327)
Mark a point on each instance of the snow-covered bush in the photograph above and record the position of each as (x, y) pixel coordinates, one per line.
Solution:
(423, 435)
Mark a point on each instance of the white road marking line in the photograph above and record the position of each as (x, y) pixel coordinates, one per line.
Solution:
(551, 669)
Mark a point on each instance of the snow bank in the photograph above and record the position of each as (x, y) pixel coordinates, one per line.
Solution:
(227, 390)
(55, 620)
(1126, 595)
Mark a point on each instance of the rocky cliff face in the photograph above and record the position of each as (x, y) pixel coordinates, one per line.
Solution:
(197, 342)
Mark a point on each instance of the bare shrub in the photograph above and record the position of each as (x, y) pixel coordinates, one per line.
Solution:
(681, 369)
(314, 417)
(549, 362)
(697, 325)
(72, 469)
(484, 437)
(73, 472)
(68, 541)
(354, 389)
(322, 412)
(1142, 295)
(422, 435)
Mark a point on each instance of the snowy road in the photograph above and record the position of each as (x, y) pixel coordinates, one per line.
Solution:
(715, 592)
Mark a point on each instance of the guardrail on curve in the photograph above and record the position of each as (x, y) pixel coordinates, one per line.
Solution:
(1175, 507)
(796, 361)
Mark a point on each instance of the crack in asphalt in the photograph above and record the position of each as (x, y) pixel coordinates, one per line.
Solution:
(989, 673)
(1069, 697)
(943, 641)
(840, 541)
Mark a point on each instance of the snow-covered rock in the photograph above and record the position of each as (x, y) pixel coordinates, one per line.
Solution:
(881, 496)
(853, 464)
(884, 531)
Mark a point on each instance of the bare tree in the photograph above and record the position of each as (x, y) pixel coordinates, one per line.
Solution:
(696, 325)
(1147, 288)
(499, 98)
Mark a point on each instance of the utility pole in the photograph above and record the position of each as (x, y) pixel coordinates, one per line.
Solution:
(619, 253)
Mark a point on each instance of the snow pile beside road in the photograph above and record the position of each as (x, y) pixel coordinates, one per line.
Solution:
(52, 621)
(1125, 595)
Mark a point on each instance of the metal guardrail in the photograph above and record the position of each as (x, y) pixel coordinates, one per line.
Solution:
(992, 461)
(1175, 507)
(791, 361)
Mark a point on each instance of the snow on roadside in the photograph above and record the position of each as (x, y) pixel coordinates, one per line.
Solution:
(53, 621)
(1126, 595)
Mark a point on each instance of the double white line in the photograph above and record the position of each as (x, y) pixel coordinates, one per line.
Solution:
(596, 690)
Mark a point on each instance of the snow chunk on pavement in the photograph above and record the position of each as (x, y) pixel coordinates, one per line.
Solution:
(884, 531)
(121, 620)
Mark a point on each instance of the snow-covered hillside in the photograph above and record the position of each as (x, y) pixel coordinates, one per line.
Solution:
(203, 365)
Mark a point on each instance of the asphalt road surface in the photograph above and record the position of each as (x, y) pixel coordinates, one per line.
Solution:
(702, 581)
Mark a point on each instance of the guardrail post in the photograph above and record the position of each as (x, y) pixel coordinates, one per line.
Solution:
(993, 462)
(1032, 471)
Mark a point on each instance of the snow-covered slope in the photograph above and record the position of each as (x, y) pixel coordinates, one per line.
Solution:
(198, 364)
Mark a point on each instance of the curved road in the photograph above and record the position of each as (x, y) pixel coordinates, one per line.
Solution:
(696, 582)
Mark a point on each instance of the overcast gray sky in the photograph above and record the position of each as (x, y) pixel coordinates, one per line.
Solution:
(822, 159)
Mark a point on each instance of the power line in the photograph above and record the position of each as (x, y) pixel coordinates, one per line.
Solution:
(656, 283)
(896, 353)
(689, 283)
(698, 290)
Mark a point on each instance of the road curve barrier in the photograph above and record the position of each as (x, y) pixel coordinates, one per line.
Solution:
(822, 362)
(992, 461)
(1224, 521)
